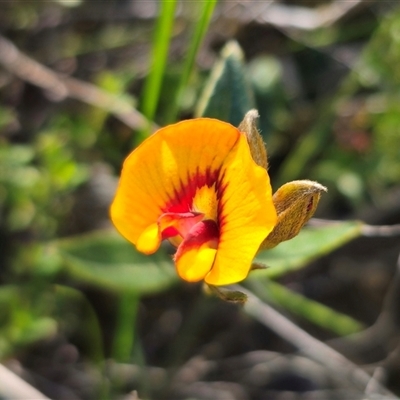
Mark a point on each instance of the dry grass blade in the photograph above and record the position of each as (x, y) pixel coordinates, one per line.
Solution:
(60, 87)
(13, 387)
(288, 17)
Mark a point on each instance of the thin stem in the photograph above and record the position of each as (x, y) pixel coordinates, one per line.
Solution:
(310, 346)
(366, 230)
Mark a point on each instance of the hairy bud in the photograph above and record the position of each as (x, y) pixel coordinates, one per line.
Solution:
(295, 204)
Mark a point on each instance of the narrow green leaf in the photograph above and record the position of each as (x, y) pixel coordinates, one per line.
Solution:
(197, 38)
(162, 37)
(311, 310)
(311, 243)
(294, 164)
(227, 95)
(106, 260)
(316, 140)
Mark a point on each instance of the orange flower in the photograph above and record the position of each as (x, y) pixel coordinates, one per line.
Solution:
(195, 183)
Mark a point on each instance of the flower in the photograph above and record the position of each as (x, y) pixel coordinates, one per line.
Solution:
(196, 184)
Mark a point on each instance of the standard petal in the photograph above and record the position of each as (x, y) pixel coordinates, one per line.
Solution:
(164, 172)
(246, 215)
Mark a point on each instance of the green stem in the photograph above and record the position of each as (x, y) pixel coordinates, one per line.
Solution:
(124, 336)
(92, 331)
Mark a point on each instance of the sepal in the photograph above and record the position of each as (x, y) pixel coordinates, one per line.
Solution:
(257, 147)
(230, 296)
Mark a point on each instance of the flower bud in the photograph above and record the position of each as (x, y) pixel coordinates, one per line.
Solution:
(295, 204)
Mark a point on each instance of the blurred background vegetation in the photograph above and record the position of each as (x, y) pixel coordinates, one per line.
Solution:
(82, 315)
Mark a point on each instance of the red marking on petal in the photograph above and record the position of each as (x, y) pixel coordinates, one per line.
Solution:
(184, 193)
(204, 232)
(169, 232)
(173, 224)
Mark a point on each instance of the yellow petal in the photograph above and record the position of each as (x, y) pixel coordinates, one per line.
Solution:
(195, 263)
(149, 240)
(164, 172)
(247, 216)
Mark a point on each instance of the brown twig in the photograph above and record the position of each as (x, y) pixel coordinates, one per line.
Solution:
(312, 347)
(60, 86)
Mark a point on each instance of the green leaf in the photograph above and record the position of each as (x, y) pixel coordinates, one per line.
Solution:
(162, 37)
(300, 305)
(227, 95)
(311, 243)
(106, 260)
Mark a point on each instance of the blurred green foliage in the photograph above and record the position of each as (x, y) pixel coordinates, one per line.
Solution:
(26, 316)
(37, 178)
(347, 138)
